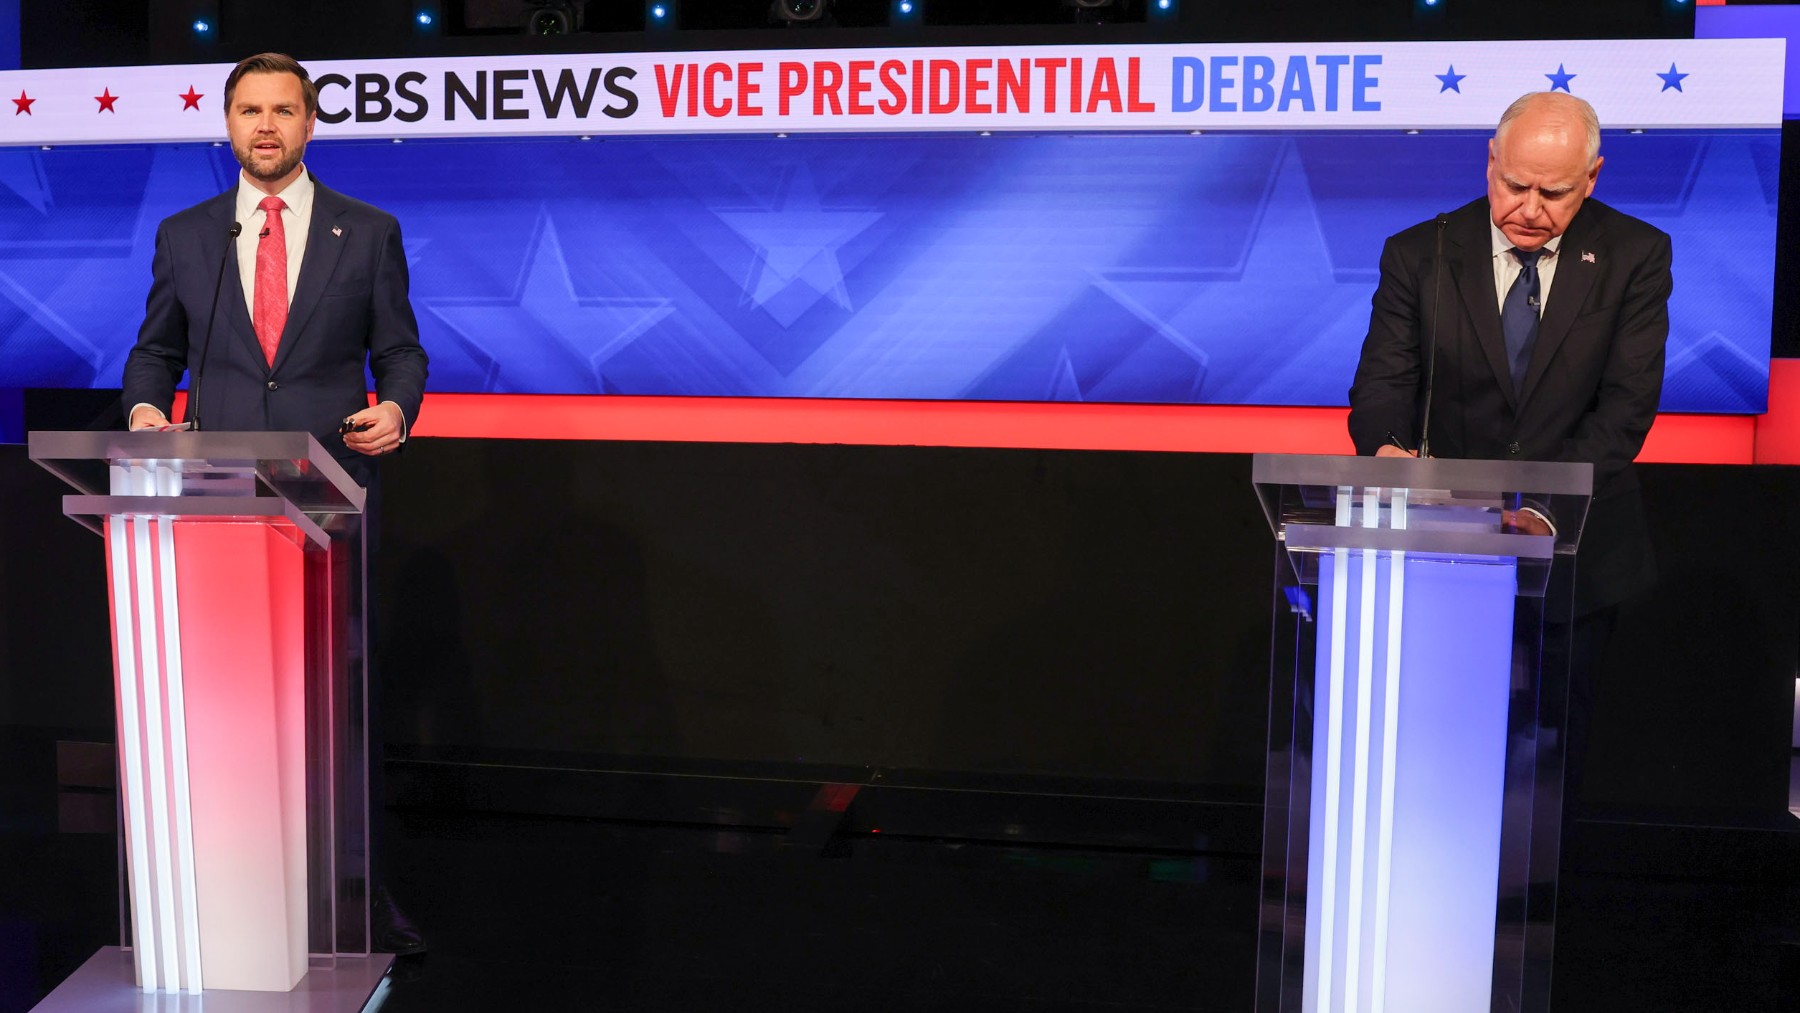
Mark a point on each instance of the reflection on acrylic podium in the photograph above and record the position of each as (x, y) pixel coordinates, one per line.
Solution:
(237, 597)
(1419, 688)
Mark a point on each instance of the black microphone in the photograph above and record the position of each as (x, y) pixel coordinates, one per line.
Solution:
(193, 409)
(1437, 290)
(264, 234)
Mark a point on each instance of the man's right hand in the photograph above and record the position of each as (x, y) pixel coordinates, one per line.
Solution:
(1389, 450)
(147, 417)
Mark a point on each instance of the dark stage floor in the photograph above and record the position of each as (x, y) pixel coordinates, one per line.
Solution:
(538, 914)
(531, 914)
(534, 913)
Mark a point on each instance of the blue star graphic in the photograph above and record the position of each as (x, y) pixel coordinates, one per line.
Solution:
(570, 336)
(1560, 79)
(1452, 80)
(1194, 315)
(796, 243)
(1288, 251)
(69, 305)
(1672, 79)
(1700, 365)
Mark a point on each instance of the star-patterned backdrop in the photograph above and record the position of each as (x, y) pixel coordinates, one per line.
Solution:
(1223, 268)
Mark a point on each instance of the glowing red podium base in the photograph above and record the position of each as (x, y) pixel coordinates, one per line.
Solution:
(235, 564)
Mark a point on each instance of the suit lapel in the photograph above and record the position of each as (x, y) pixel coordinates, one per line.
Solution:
(1472, 265)
(1577, 265)
(236, 309)
(324, 244)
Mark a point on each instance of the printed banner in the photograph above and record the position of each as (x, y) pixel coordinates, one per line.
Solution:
(813, 224)
(1634, 84)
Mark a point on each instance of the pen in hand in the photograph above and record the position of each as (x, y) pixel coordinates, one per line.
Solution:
(1394, 441)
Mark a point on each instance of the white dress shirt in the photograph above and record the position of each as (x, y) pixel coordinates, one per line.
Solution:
(1507, 267)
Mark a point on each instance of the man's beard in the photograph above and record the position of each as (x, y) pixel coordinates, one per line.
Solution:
(285, 165)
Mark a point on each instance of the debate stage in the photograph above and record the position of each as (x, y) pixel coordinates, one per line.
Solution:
(680, 802)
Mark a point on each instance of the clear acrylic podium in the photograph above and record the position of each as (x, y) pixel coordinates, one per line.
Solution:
(237, 600)
(1418, 694)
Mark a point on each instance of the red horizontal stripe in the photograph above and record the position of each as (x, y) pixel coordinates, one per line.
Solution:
(925, 423)
(1778, 432)
(1690, 439)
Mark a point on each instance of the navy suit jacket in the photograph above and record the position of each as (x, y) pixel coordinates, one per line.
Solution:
(1591, 388)
(349, 308)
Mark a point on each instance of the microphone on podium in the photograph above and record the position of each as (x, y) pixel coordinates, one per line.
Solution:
(193, 409)
(1437, 289)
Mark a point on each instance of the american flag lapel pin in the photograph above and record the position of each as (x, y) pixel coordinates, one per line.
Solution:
(336, 231)
(1587, 256)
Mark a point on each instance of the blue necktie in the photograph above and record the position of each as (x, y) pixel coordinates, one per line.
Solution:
(1519, 316)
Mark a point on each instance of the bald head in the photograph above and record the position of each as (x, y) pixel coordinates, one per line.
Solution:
(1542, 163)
(1558, 111)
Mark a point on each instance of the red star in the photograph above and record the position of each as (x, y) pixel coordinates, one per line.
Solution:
(106, 99)
(191, 100)
(24, 104)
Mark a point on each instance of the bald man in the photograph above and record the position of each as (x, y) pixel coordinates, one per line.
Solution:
(1549, 333)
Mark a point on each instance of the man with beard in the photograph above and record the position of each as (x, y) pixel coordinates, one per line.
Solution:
(312, 288)
(308, 286)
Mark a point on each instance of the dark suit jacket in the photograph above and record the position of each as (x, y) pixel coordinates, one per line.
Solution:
(350, 307)
(1590, 392)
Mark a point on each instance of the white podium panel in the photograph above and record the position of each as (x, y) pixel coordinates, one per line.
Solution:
(1413, 778)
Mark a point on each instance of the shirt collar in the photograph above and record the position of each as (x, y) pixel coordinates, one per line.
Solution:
(1503, 245)
(298, 195)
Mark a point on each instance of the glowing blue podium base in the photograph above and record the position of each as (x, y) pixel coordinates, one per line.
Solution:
(1414, 791)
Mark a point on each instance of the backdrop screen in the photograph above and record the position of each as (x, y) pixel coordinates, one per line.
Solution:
(1221, 269)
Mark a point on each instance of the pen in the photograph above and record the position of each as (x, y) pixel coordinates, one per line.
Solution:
(1395, 440)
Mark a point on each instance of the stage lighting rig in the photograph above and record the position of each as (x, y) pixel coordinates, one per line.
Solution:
(799, 11)
(1099, 12)
(553, 17)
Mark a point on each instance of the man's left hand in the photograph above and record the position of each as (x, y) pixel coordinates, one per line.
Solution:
(1524, 522)
(383, 433)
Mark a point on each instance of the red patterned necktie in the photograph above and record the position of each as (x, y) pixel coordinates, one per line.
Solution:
(271, 279)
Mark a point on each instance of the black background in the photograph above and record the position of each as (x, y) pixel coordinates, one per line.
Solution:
(1070, 619)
